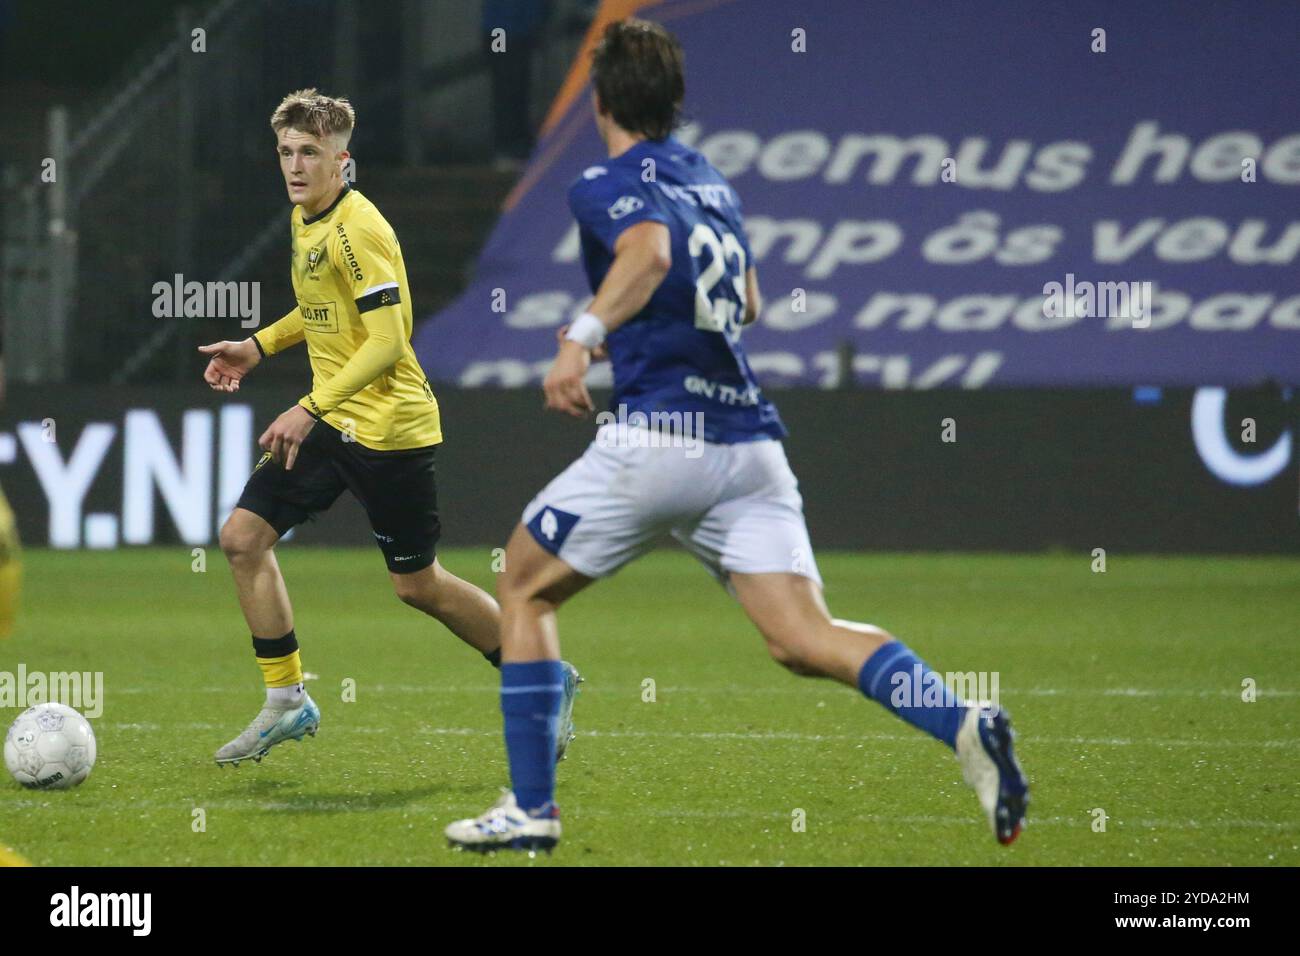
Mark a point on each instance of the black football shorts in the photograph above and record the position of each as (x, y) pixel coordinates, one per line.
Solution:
(396, 488)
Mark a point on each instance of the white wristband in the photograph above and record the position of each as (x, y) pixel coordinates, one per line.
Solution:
(587, 330)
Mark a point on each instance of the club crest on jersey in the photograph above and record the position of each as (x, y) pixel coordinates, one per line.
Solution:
(551, 526)
(624, 205)
(314, 257)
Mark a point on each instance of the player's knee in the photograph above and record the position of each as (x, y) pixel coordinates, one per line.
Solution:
(239, 541)
(779, 653)
(409, 591)
(807, 645)
(515, 585)
(792, 655)
(532, 581)
(424, 590)
(416, 591)
(514, 590)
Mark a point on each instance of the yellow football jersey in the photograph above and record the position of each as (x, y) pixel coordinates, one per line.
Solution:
(354, 310)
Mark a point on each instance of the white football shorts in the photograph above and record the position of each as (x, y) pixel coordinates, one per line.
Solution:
(735, 507)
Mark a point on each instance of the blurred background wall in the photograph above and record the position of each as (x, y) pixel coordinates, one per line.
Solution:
(135, 146)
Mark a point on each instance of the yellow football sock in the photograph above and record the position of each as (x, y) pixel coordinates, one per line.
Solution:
(279, 660)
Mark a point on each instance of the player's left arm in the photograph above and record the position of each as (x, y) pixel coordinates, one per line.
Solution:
(642, 257)
(370, 265)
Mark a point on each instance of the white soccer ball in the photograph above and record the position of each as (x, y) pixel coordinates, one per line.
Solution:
(50, 747)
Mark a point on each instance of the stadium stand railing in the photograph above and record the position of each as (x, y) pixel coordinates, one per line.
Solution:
(168, 172)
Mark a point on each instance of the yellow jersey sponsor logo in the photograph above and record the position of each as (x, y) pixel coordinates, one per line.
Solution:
(346, 247)
(319, 316)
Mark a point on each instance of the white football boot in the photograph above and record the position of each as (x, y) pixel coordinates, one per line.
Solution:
(988, 764)
(271, 726)
(506, 827)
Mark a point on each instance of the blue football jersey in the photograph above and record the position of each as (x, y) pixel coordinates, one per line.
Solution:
(682, 352)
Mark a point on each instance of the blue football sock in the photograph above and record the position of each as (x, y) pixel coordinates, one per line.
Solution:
(897, 679)
(530, 700)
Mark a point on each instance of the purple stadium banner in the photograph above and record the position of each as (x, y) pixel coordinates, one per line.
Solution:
(967, 195)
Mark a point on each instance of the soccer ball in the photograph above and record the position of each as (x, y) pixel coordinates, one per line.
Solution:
(50, 747)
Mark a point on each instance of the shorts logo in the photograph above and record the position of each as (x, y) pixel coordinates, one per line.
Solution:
(266, 456)
(550, 527)
(624, 205)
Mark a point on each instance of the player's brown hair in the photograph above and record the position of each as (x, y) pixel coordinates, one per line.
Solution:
(311, 111)
(637, 72)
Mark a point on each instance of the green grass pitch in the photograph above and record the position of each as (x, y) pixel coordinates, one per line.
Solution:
(1125, 688)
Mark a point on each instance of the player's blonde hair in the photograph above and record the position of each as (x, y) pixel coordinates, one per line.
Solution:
(311, 111)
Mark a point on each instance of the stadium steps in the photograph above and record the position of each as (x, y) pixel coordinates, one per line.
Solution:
(442, 215)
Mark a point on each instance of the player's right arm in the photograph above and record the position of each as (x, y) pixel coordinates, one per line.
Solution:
(231, 361)
(625, 217)
(642, 257)
(753, 298)
(280, 335)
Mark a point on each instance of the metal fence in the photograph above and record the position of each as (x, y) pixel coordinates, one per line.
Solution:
(166, 172)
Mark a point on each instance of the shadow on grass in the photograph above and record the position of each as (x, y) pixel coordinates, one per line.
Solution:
(297, 797)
